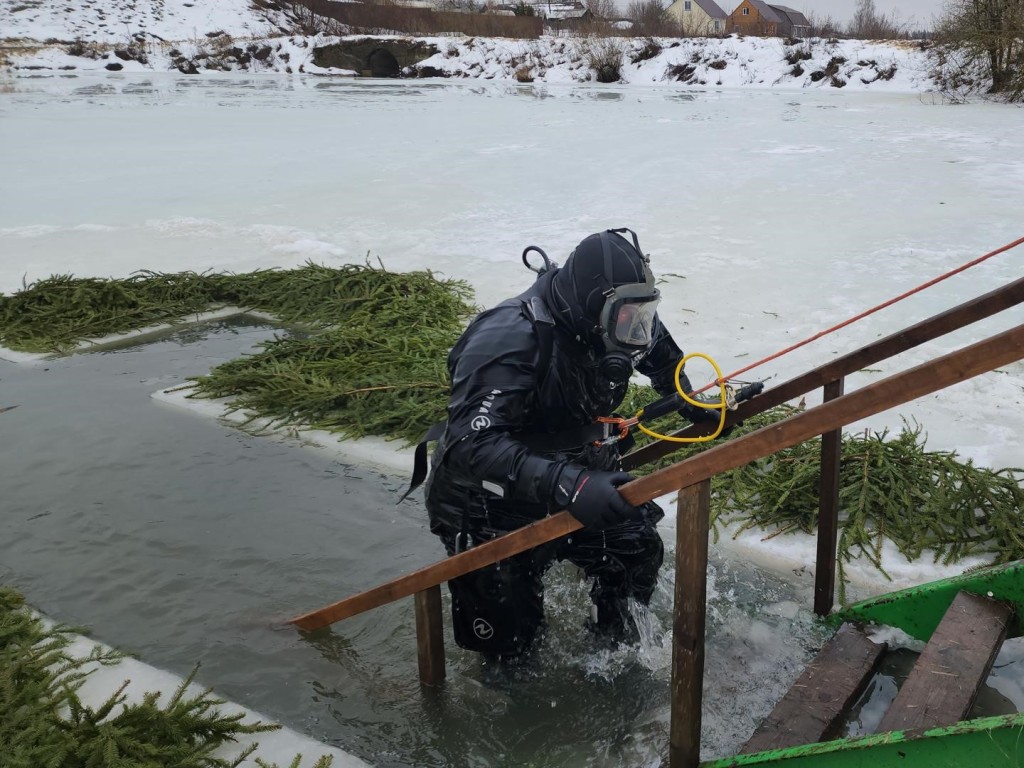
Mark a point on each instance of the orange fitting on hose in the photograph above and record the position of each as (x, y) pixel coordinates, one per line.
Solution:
(623, 424)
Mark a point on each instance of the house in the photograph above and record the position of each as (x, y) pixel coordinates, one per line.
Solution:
(561, 15)
(701, 18)
(794, 23)
(756, 17)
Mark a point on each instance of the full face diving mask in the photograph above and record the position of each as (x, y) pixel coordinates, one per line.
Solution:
(627, 317)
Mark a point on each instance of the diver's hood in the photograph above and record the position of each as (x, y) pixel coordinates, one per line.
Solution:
(606, 289)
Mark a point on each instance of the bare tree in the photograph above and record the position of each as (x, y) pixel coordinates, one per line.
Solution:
(869, 24)
(986, 36)
(864, 17)
(822, 26)
(649, 18)
(603, 9)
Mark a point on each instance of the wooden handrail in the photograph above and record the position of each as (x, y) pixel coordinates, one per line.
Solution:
(942, 372)
(933, 327)
(503, 547)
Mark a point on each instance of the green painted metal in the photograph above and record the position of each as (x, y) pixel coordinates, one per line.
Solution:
(918, 610)
(989, 742)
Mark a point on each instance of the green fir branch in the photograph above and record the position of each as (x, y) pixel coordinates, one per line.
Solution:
(44, 723)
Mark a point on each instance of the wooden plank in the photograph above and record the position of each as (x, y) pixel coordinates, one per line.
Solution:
(1001, 349)
(693, 512)
(944, 682)
(811, 710)
(933, 327)
(828, 511)
(430, 636)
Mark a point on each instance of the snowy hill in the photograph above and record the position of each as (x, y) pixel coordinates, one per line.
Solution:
(116, 20)
(200, 36)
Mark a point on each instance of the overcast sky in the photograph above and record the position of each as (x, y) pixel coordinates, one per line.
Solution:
(920, 11)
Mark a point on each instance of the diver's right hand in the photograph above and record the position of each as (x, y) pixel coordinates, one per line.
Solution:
(593, 497)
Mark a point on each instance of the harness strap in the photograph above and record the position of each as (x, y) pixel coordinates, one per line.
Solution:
(419, 466)
(544, 325)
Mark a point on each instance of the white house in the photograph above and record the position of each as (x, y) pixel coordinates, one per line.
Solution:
(699, 17)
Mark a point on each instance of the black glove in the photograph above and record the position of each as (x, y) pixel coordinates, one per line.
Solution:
(592, 497)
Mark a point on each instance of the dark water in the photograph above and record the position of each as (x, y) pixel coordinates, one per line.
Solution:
(185, 540)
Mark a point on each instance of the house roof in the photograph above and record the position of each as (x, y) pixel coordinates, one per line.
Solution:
(796, 18)
(765, 10)
(566, 13)
(710, 7)
(558, 9)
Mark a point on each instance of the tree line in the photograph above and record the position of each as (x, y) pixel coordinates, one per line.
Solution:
(981, 47)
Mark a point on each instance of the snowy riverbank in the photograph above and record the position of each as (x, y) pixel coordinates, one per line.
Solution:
(203, 39)
(729, 63)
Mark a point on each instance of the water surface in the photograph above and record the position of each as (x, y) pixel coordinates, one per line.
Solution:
(769, 215)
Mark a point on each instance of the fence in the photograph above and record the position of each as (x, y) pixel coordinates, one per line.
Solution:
(423, 21)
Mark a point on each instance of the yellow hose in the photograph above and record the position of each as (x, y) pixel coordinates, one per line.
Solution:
(719, 406)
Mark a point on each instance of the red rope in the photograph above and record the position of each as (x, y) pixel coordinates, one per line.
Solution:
(862, 315)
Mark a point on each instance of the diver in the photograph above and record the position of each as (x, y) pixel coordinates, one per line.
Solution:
(529, 377)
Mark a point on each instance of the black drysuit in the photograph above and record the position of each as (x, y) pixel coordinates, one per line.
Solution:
(486, 481)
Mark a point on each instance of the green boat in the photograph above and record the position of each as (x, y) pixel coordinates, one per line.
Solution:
(963, 621)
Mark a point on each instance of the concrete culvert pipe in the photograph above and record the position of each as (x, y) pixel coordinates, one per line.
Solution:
(382, 63)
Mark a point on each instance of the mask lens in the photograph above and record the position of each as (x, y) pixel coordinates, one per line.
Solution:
(634, 323)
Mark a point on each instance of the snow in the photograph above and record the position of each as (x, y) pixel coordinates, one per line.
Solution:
(170, 29)
(730, 62)
(796, 552)
(385, 455)
(172, 20)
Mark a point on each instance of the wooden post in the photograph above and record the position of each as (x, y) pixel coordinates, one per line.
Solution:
(430, 636)
(692, 517)
(828, 510)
